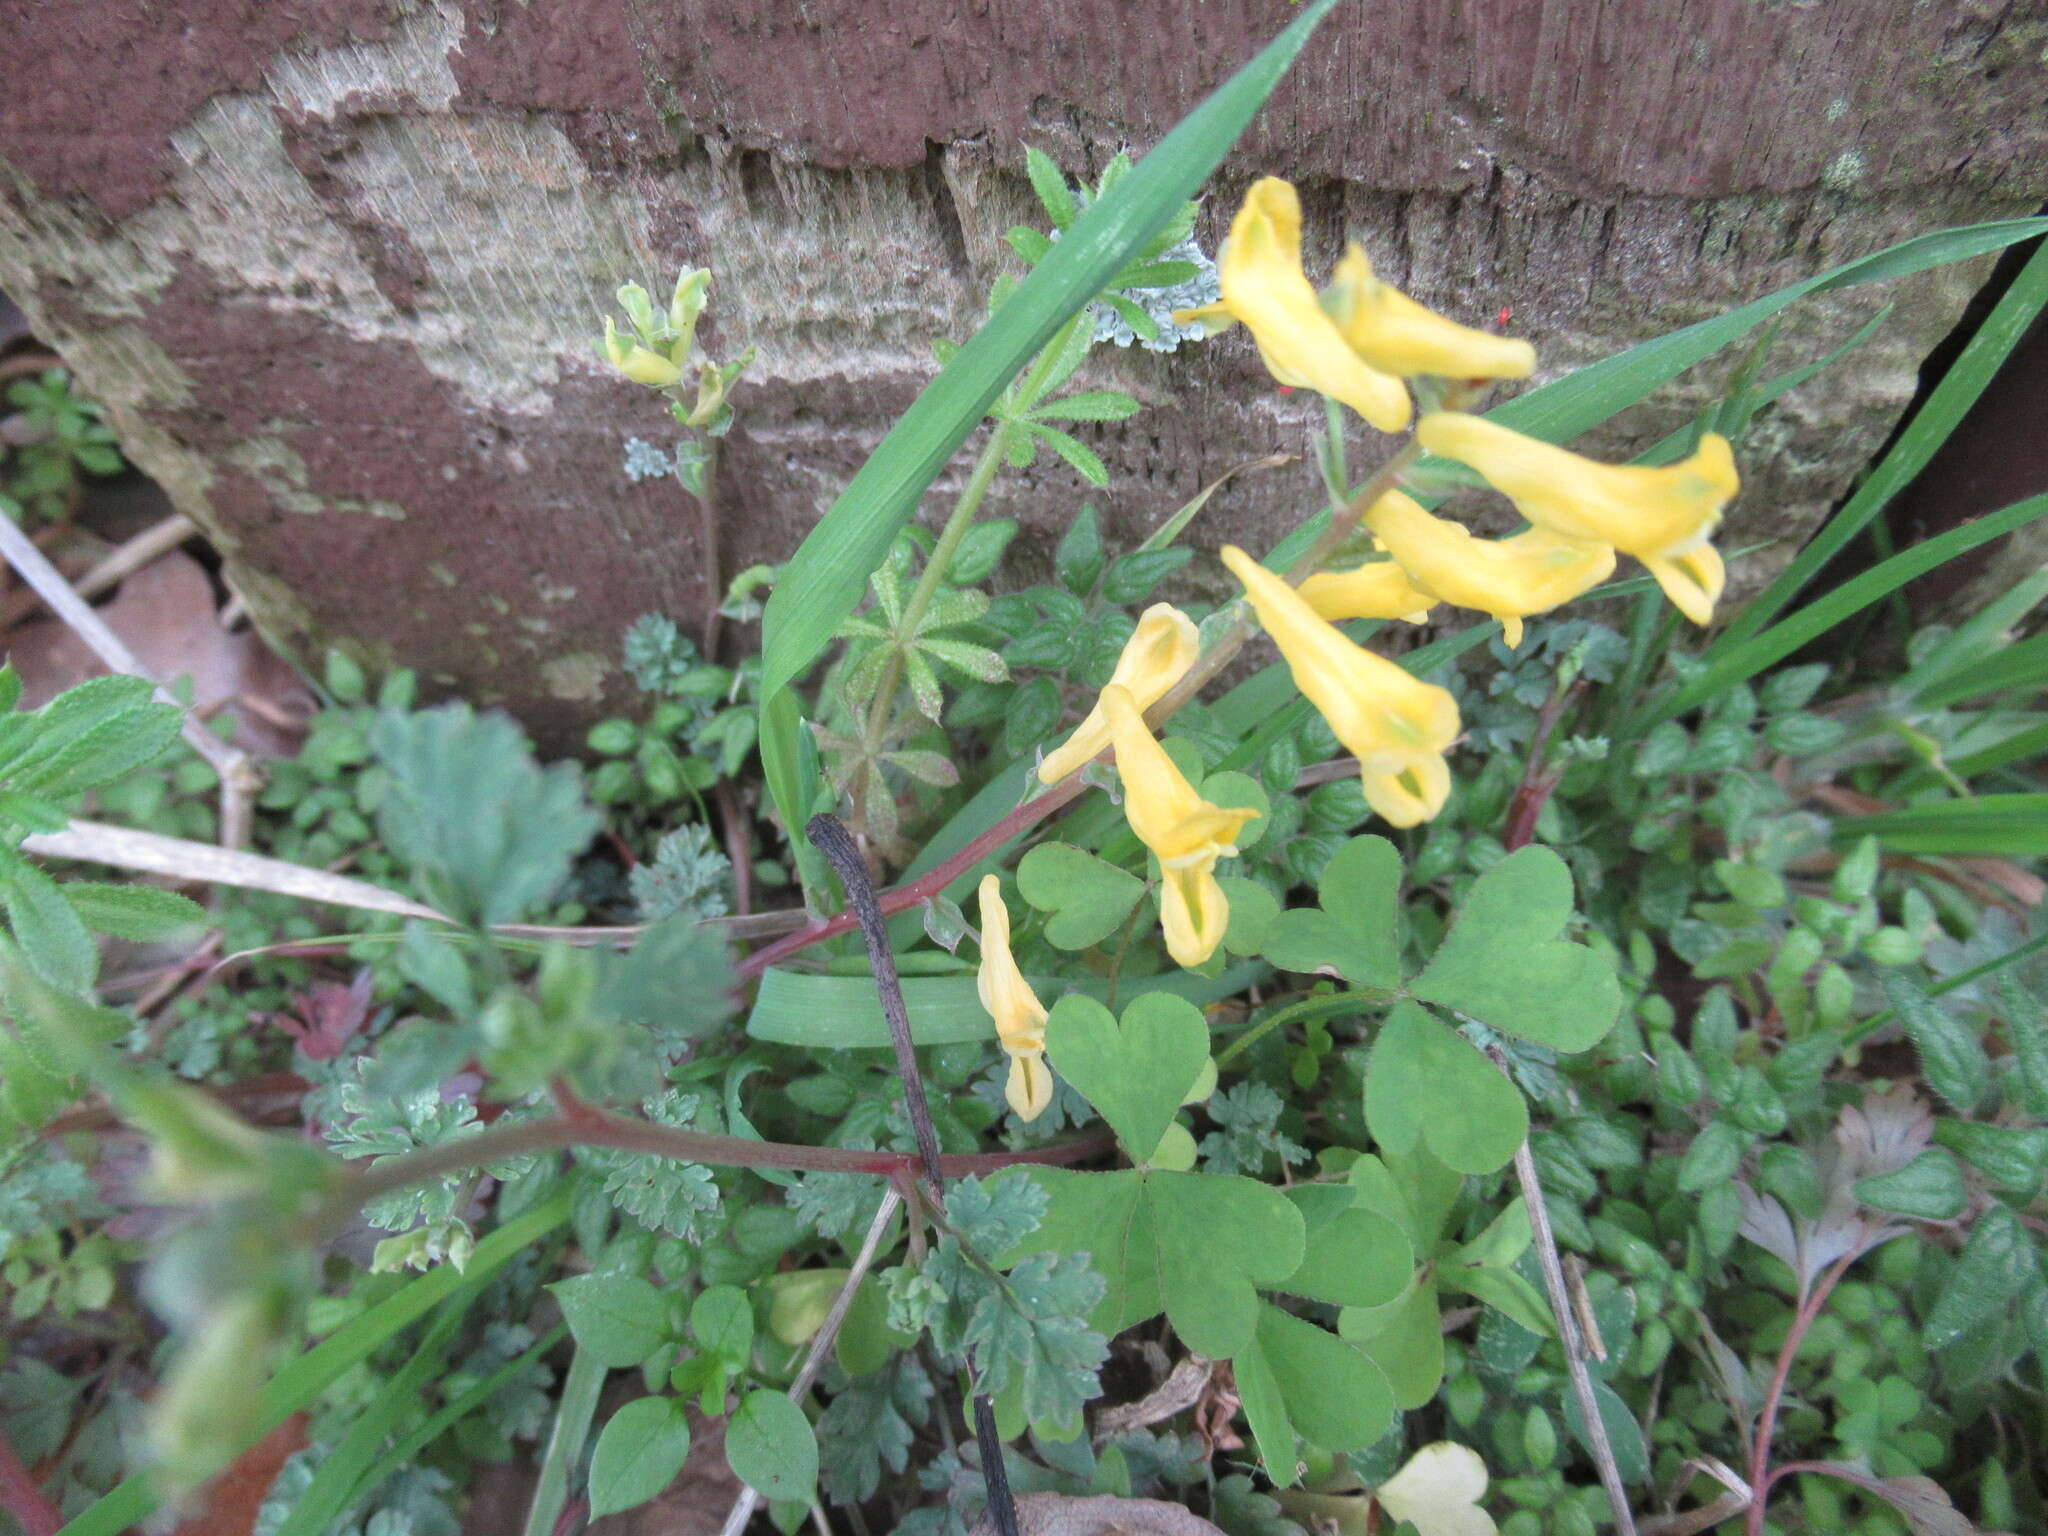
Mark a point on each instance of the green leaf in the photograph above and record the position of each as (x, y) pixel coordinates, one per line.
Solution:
(1354, 1257)
(722, 1323)
(1929, 1188)
(2015, 826)
(487, 832)
(1425, 1083)
(53, 940)
(841, 1013)
(676, 979)
(1356, 929)
(1624, 1434)
(1217, 1236)
(1405, 1339)
(1093, 405)
(1961, 383)
(1505, 1291)
(1136, 1075)
(1951, 1056)
(1715, 1154)
(620, 1319)
(770, 1447)
(1997, 1263)
(1050, 183)
(980, 550)
(1196, 1245)
(1132, 576)
(1503, 964)
(1336, 1397)
(1083, 459)
(1078, 559)
(2026, 1025)
(139, 912)
(1086, 898)
(822, 582)
(2013, 1158)
(639, 1453)
(1253, 911)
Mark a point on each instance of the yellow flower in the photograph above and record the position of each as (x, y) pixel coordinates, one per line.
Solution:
(641, 364)
(1396, 335)
(1019, 1016)
(1510, 578)
(1187, 833)
(1662, 516)
(1263, 285)
(1380, 590)
(1397, 726)
(1158, 655)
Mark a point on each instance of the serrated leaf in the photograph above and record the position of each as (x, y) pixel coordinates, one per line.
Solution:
(487, 832)
(139, 912)
(53, 940)
(1095, 405)
(1997, 1263)
(1050, 183)
(1951, 1056)
(1084, 459)
(1032, 1338)
(639, 1452)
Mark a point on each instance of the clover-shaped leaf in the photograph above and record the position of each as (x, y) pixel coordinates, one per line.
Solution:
(1086, 897)
(1136, 1073)
(1355, 932)
(1355, 1257)
(1195, 1245)
(1426, 1083)
(1438, 1492)
(1503, 963)
(1297, 1379)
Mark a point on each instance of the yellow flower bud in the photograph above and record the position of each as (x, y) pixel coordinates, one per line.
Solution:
(1263, 285)
(1396, 335)
(640, 364)
(1188, 833)
(1662, 516)
(1510, 578)
(1397, 726)
(1009, 1000)
(1158, 655)
(1378, 590)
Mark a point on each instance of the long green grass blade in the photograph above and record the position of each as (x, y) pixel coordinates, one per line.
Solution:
(841, 1013)
(576, 1407)
(1930, 427)
(823, 581)
(2015, 826)
(2024, 665)
(2022, 746)
(134, 1499)
(1977, 636)
(1727, 666)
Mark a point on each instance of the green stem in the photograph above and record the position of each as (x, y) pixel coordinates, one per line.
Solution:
(883, 710)
(1305, 1011)
(2018, 952)
(580, 1391)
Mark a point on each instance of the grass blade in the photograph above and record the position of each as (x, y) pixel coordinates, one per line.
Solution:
(1729, 665)
(2014, 826)
(824, 579)
(1929, 429)
(134, 1498)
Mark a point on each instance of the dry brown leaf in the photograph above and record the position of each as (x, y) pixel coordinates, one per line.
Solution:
(1056, 1514)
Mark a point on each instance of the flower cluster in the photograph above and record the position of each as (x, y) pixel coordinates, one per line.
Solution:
(1359, 342)
(661, 348)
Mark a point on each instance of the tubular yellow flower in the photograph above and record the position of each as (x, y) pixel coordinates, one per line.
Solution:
(1263, 285)
(1397, 726)
(640, 364)
(1381, 590)
(1187, 833)
(1662, 516)
(1396, 335)
(1158, 654)
(1019, 1016)
(1510, 578)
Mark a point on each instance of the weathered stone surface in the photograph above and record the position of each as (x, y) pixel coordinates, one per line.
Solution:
(337, 268)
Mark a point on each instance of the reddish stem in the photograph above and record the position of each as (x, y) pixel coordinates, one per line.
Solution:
(1533, 793)
(924, 887)
(1760, 1476)
(21, 1498)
